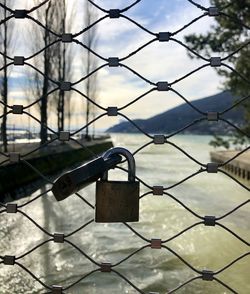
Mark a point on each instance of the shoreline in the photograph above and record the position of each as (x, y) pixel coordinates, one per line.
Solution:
(14, 176)
(240, 166)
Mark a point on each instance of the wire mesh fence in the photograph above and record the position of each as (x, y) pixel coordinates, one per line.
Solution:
(153, 139)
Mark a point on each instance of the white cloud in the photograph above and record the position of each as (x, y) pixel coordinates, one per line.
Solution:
(111, 4)
(160, 62)
(164, 61)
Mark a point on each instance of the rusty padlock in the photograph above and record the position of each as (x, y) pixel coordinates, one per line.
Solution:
(118, 201)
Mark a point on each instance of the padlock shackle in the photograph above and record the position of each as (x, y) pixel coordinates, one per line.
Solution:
(82, 176)
(128, 155)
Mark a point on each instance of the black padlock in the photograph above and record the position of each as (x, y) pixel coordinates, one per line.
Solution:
(118, 201)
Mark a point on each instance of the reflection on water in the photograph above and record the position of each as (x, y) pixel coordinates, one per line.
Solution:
(161, 217)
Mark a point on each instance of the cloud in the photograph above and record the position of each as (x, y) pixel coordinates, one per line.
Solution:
(160, 61)
(166, 61)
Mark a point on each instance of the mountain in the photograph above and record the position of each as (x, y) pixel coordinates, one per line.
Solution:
(182, 115)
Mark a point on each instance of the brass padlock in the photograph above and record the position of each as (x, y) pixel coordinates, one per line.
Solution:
(118, 201)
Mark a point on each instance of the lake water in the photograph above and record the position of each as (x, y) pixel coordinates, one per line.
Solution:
(151, 270)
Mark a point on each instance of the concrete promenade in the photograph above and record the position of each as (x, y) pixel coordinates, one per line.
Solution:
(51, 148)
(240, 166)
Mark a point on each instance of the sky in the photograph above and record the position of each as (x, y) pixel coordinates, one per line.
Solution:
(160, 61)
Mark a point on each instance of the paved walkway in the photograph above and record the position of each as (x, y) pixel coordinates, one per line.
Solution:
(239, 166)
(54, 147)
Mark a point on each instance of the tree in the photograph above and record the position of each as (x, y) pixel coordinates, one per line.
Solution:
(230, 33)
(6, 33)
(90, 63)
(47, 61)
(65, 61)
(218, 142)
(61, 66)
(55, 62)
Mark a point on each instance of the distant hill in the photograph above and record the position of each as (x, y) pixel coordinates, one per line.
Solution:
(182, 115)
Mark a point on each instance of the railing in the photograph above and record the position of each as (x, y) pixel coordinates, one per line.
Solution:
(158, 139)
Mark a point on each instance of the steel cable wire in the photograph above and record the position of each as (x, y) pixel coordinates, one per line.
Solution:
(132, 102)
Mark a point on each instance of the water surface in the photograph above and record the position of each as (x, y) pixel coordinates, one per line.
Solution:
(160, 217)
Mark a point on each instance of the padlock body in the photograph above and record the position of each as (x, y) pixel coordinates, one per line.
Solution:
(117, 201)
